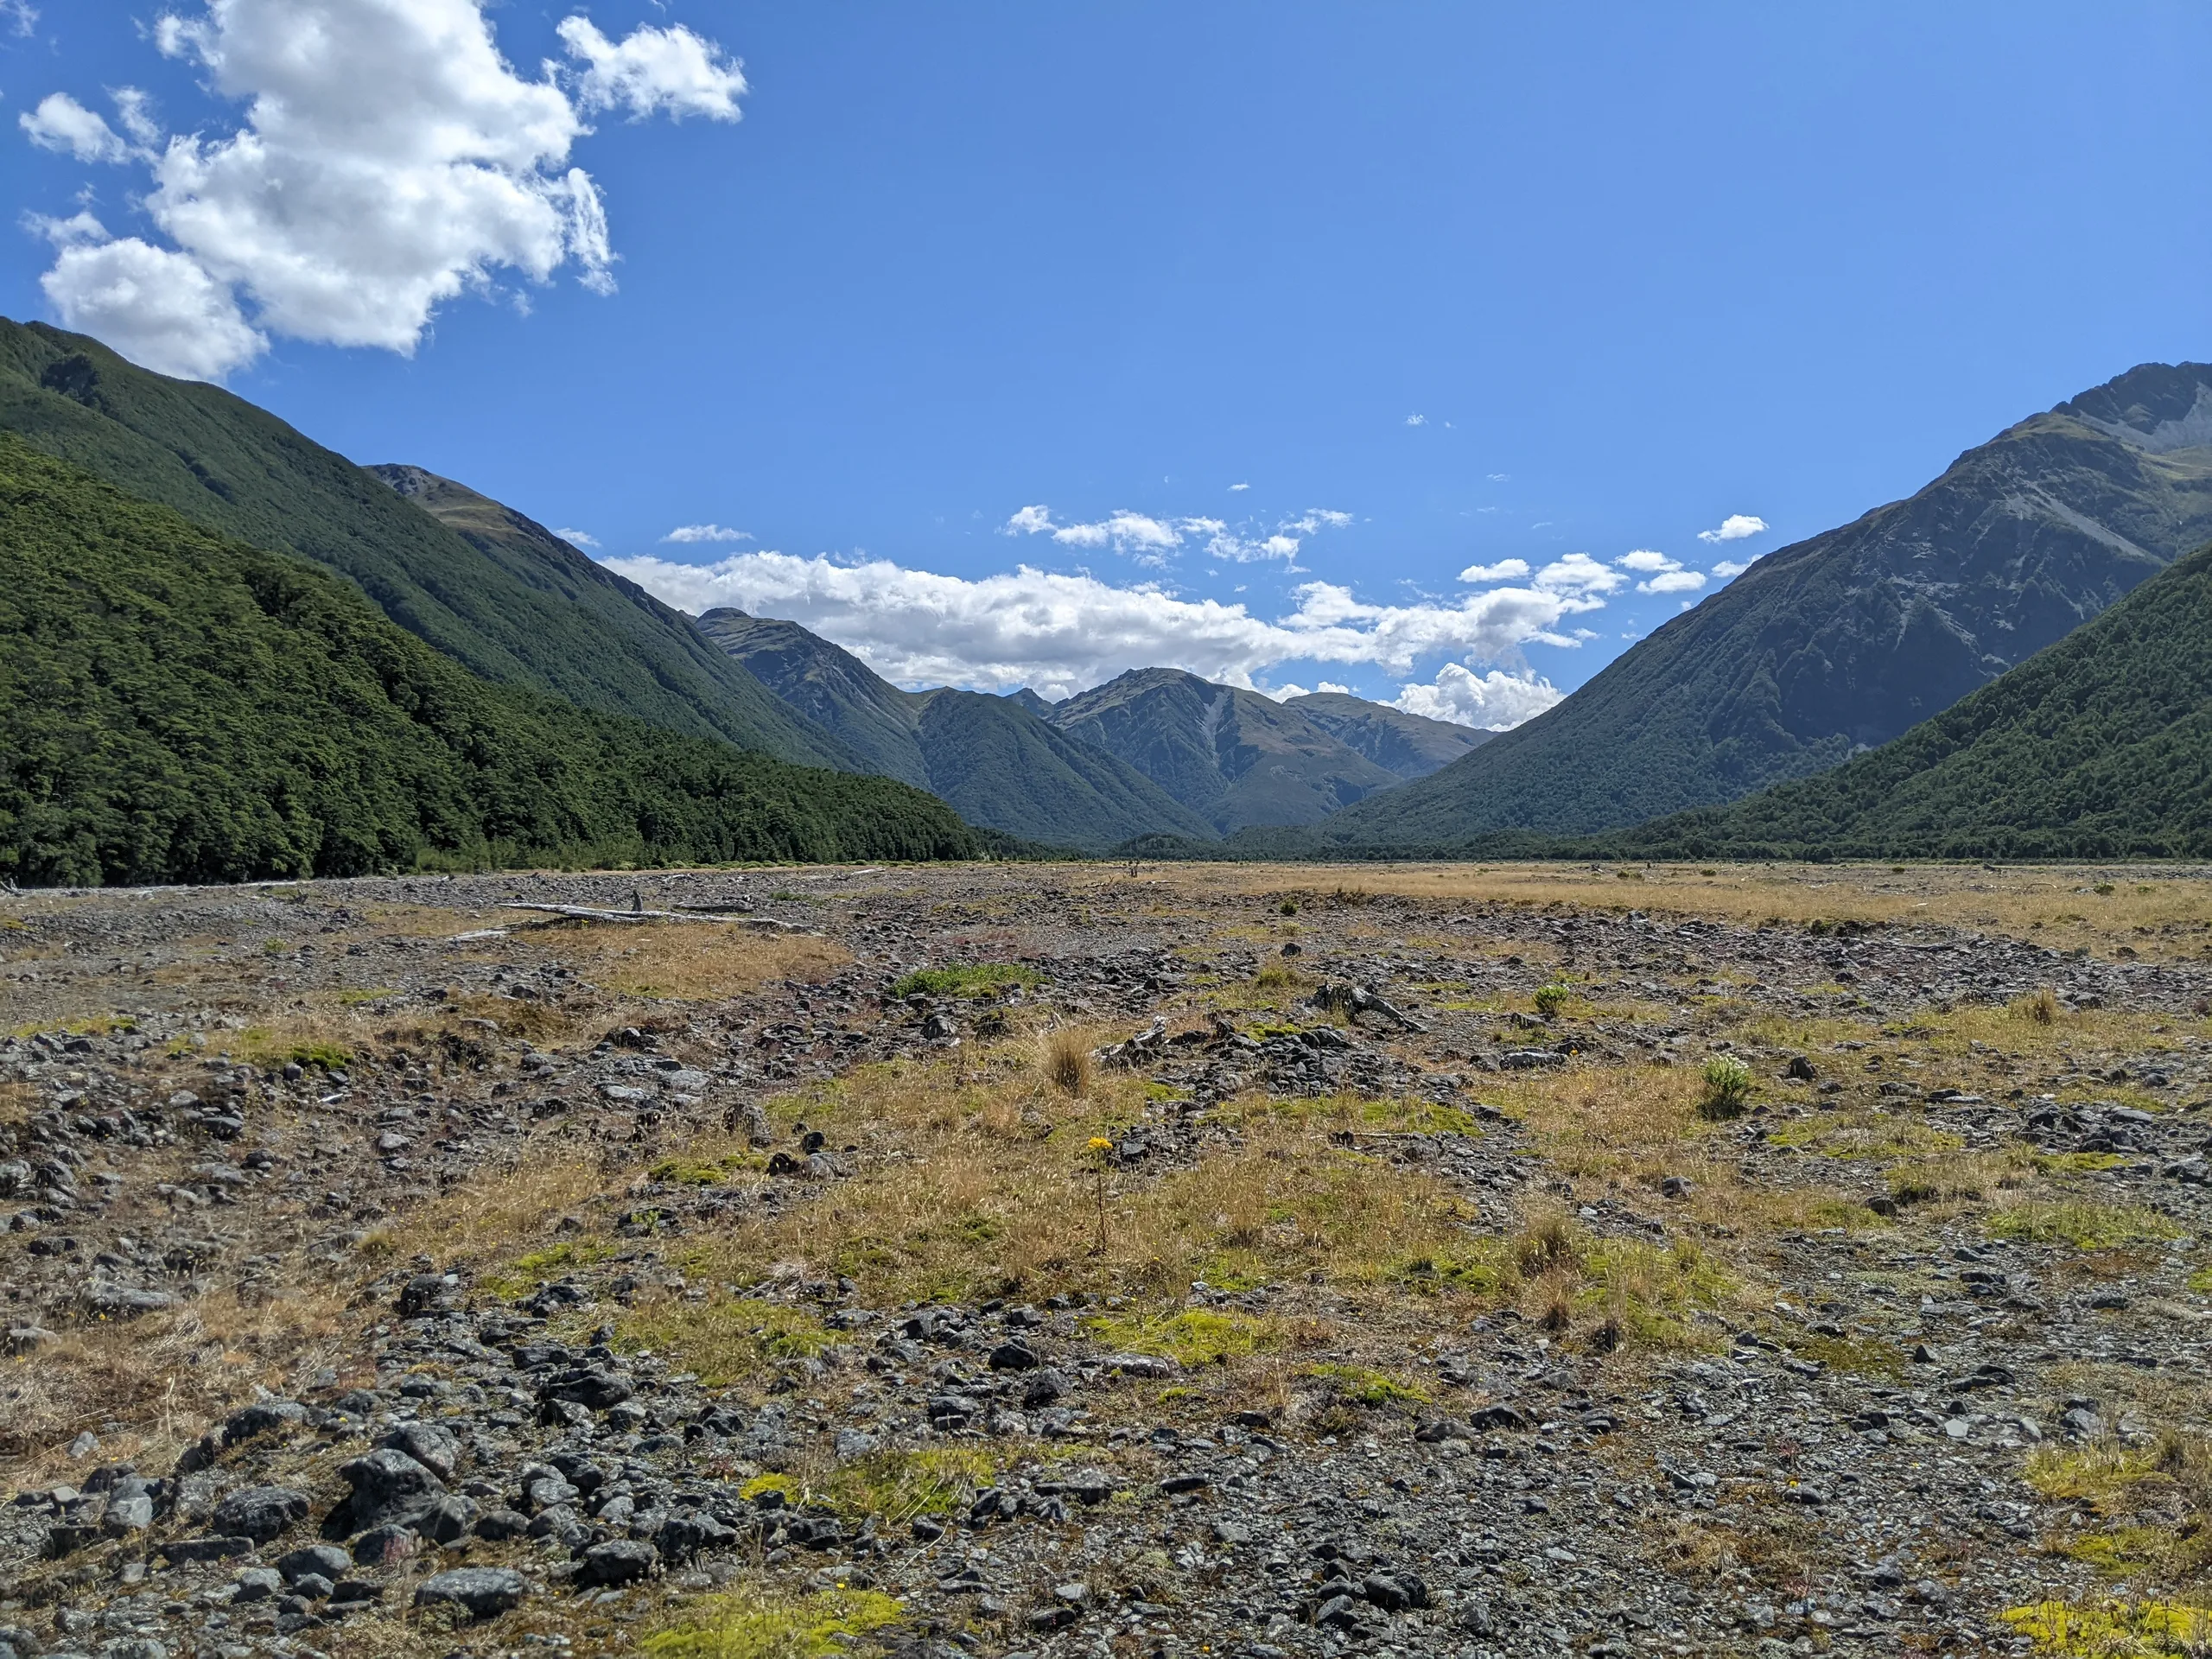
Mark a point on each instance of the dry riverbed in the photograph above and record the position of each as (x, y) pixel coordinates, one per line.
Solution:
(1086, 1261)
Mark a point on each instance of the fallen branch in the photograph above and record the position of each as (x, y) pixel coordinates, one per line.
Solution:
(591, 913)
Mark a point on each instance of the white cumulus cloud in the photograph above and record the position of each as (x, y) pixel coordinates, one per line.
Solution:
(1728, 569)
(390, 160)
(1504, 570)
(1663, 574)
(1580, 574)
(1416, 420)
(654, 70)
(683, 533)
(1734, 528)
(1062, 632)
(577, 538)
(61, 124)
(176, 316)
(1495, 700)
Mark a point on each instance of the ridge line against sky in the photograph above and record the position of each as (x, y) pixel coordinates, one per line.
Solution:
(1438, 353)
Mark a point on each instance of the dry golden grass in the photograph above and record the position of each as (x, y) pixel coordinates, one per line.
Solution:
(150, 1387)
(1625, 1129)
(684, 961)
(2168, 915)
(984, 1181)
(499, 1213)
(1063, 1059)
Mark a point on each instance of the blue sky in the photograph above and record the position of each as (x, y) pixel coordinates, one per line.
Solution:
(1444, 288)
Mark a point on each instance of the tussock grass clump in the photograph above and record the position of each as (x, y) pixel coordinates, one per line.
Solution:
(757, 1626)
(231, 1348)
(1197, 1336)
(724, 1339)
(1278, 976)
(968, 979)
(898, 1486)
(1727, 1091)
(2150, 1505)
(2084, 1226)
(2037, 1007)
(1552, 1000)
(1617, 1293)
(1548, 1238)
(1963, 1179)
(1064, 1058)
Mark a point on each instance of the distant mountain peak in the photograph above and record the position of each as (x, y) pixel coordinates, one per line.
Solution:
(410, 481)
(2156, 407)
(1845, 641)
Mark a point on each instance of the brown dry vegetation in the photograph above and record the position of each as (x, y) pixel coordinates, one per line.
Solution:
(688, 962)
(150, 1388)
(2162, 911)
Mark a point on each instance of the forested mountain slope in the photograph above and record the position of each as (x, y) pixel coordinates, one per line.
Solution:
(540, 614)
(178, 707)
(2098, 746)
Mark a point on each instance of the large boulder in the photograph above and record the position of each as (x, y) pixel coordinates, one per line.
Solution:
(479, 1592)
(620, 1561)
(261, 1513)
(434, 1447)
(390, 1489)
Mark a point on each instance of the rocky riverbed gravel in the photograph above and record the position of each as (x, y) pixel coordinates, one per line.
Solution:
(244, 1414)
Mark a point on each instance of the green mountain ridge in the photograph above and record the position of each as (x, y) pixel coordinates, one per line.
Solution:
(1842, 642)
(997, 763)
(2098, 746)
(516, 608)
(175, 706)
(1235, 757)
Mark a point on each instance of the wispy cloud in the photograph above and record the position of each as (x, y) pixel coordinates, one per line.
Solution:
(692, 533)
(1416, 420)
(1150, 540)
(63, 125)
(1734, 528)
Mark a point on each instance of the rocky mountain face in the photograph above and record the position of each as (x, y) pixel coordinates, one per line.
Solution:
(1236, 757)
(2093, 748)
(1412, 746)
(992, 758)
(1840, 643)
(539, 616)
